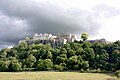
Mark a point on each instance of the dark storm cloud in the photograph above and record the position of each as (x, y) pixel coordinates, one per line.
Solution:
(46, 17)
(20, 18)
(4, 44)
(11, 28)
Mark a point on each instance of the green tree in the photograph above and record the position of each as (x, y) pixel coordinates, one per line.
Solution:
(84, 36)
(29, 62)
(27, 38)
(49, 55)
(73, 63)
(3, 55)
(79, 51)
(75, 46)
(62, 58)
(116, 59)
(46, 64)
(16, 66)
(85, 65)
(22, 45)
(71, 53)
(63, 51)
(4, 65)
(58, 67)
(67, 46)
(86, 45)
(88, 55)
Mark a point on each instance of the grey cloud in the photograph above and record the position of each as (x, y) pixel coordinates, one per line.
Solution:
(11, 28)
(46, 17)
(22, 18)
(4, 44)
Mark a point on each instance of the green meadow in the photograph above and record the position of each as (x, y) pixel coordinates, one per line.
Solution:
(55, 76)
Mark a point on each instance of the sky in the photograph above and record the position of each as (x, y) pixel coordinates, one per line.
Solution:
(21, 18)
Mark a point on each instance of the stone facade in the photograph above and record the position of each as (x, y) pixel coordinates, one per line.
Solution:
(64, 37)
(68, 36)
(55, 41)
(43, 36)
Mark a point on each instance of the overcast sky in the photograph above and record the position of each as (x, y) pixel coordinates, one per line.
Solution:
(20, 18)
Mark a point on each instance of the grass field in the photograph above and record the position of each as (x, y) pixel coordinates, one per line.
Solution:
(54, 76)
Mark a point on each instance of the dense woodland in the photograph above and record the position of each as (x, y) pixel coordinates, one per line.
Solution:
(77, 55)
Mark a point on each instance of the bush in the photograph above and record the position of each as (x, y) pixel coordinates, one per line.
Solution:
(58, 67)
(82, 70)
(28, 69)
(117, 73)
(46, 64)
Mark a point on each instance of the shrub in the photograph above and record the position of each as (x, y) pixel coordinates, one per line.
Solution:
(58, 67)
(117, 73)
(46, 64)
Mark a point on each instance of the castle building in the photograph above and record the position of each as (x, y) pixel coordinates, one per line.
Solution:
(42, 36)
(64, 37)
(68, 36)
(55, 41)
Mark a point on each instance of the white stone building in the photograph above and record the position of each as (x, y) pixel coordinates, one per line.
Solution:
(43, 36)
(64, 37)
(68, 36)
(60, 38)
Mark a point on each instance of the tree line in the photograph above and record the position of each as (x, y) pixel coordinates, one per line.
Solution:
(77, 55)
